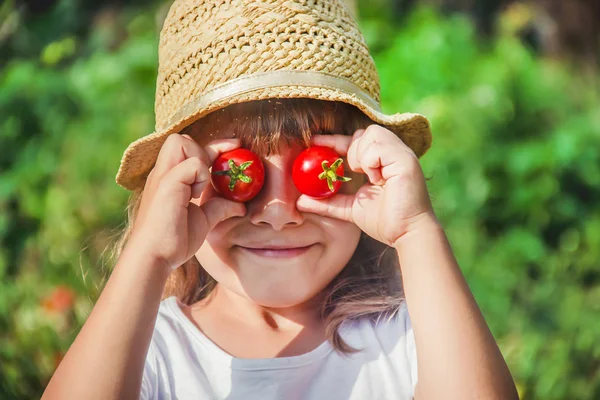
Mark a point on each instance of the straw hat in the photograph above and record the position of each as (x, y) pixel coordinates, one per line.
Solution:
(213, 53)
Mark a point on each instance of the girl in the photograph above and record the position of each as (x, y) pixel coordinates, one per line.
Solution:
(285, 296)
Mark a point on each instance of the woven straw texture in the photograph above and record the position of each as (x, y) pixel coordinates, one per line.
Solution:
(205, 45)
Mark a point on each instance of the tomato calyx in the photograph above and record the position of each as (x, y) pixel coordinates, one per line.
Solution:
(312, 174)
(235, 173)
(329, 173)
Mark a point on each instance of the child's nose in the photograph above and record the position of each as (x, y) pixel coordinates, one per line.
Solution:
(275, 205)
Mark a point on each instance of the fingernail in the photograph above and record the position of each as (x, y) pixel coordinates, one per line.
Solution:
(304, 201)
(300, 201)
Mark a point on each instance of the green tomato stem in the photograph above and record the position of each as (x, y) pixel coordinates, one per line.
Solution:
(330, 174)
(235, 173)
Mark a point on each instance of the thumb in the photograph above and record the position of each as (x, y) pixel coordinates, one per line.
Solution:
(338, 206)
(201, 219)
(219, 209)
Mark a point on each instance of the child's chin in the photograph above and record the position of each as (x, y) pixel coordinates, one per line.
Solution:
(284, 297)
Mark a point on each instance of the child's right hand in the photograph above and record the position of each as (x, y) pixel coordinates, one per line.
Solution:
(169, 227)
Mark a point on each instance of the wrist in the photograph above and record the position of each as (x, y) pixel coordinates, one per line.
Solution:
(135, 257)
(425, 224)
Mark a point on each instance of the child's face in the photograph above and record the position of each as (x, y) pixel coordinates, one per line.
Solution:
(321, 246)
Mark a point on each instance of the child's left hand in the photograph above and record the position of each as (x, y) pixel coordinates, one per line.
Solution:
(394, 201)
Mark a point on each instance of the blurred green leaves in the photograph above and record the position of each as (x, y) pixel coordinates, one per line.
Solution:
(64, 124)
(57, 51)
(515, 166)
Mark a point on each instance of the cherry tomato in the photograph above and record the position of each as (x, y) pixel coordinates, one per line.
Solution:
(318, 172)
(59, 300)
(238, 174)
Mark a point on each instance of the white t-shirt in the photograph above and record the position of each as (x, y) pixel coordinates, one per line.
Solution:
(182, 363)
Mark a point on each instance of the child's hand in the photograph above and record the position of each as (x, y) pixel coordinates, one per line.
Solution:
(396, 198)
(170, 227)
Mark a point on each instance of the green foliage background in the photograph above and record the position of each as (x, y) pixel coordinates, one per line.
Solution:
(515, 165)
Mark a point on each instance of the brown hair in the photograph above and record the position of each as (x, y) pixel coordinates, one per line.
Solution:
(369, 286)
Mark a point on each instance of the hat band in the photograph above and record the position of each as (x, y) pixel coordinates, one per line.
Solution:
(271, 79)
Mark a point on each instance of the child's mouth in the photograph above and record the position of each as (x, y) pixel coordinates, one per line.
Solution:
(283, 252)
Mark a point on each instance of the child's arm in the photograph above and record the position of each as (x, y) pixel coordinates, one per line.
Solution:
(457, 355)
(106, 360)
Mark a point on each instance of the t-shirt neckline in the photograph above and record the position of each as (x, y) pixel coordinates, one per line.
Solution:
(215, 353)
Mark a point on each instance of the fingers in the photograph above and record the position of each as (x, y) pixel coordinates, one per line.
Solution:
(216, 147)
(201, 219)
(208, 193)
(189, 172)
(174, 150)
(178, 148)
(373, 150)
(352, 156)
(338, 206)
(339, 143)
(369, 155)
(219, 209)
(362, 150)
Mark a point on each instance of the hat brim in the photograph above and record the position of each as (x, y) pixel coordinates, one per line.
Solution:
(140, 156)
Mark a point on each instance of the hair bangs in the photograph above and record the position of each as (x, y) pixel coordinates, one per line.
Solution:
(263, 126)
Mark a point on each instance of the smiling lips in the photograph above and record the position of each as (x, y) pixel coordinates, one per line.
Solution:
(277, 250)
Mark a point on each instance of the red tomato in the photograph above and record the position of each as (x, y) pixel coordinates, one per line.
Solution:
(238, 175)
(318, 172)
(60, 299)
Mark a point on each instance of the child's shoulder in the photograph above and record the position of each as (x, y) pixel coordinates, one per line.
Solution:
(385, 331)
(171, 320)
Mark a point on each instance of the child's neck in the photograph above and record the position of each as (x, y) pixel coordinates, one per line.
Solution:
(229, 320)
